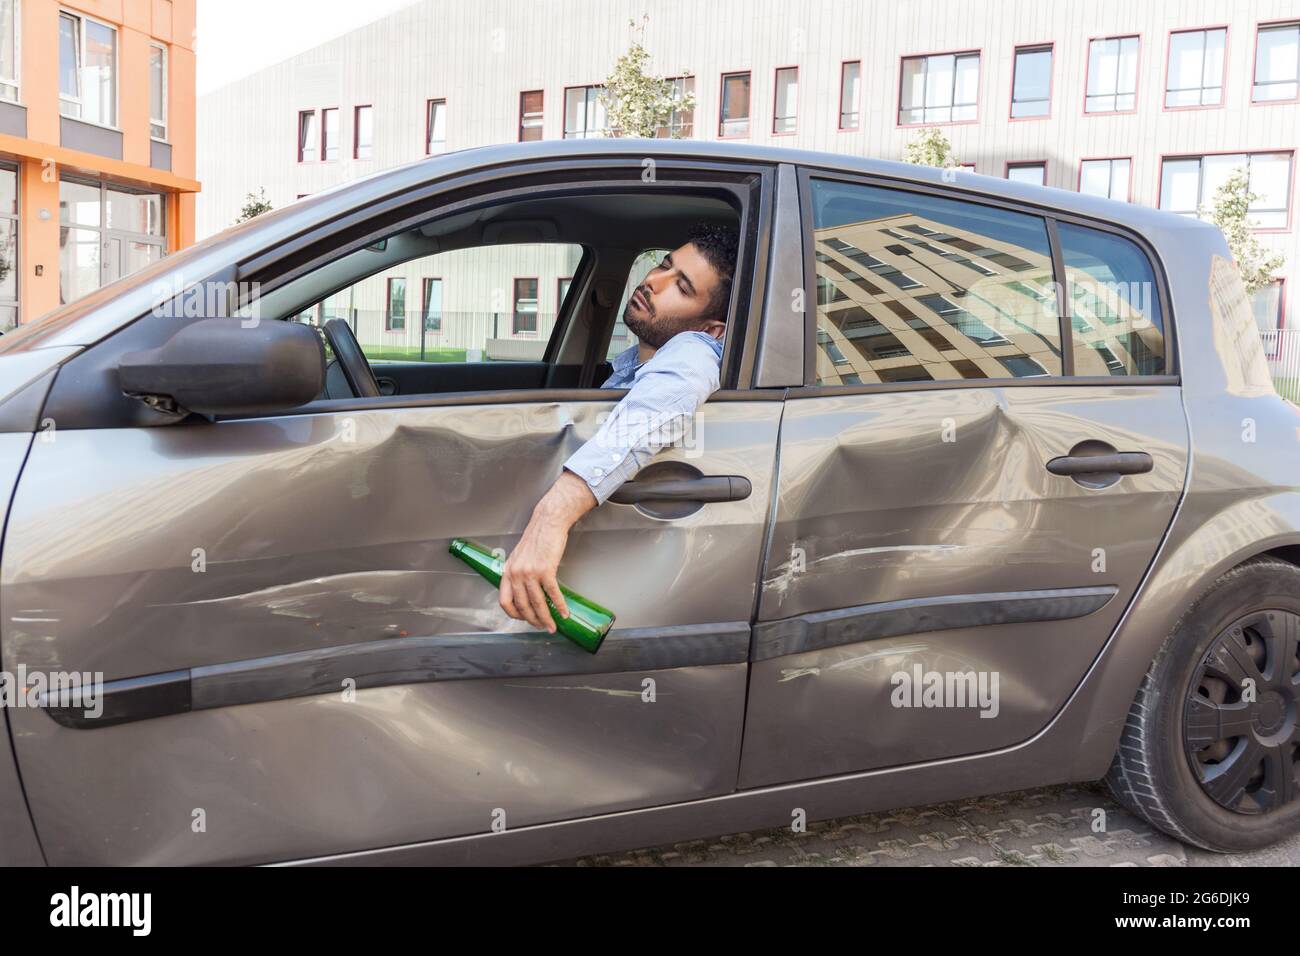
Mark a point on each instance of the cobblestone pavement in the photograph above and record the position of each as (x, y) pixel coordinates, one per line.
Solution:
(1050, 826)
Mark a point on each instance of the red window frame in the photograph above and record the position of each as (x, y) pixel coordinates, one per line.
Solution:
(514, 307)
(541, 115)
(425, 286)
(428, 121)
(356, 131)
(1050, 46)
(301, 114)
(325, 110)
(749, 104)
(1137, 75)
(388, 303)
(858, 112)
(776, 87)
(1254, 62)
(1025, 164)
(1169, 62)
(979, 99)
(1078, 181)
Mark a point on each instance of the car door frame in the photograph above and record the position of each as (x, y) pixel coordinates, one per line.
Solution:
(812, 630)
(134, 697)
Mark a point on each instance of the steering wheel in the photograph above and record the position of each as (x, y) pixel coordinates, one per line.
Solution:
(351, 359)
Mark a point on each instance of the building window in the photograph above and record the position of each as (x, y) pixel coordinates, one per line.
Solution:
(106, 232)
(363, 132)
(786, 102)
(1188, 184)
(1032, 173)
(395, 314)
(530, 116)
(157, 91)
(9, 265)
(308, 141)
(584, 113)
(1106, 177)
(733, 118)
(87, 70)
(681, 123)
(432, 314)
(1112, 75)
(435, 127)
(850, 94)
(9, 50)
(1031, 82)
(1277, 63)
(943, 88)
(1196, 65)
(525, 312)
(561, 292)
(329, 135)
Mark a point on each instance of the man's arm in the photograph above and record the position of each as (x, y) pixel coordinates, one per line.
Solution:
(655, 413)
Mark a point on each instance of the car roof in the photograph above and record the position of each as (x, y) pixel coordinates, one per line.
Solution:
(1065, 200)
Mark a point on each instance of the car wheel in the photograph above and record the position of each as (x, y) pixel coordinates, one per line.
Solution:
(1211, 749)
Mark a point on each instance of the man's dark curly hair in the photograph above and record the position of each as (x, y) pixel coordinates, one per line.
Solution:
(719, 245)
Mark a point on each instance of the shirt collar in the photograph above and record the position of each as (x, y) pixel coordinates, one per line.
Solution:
(628, 358)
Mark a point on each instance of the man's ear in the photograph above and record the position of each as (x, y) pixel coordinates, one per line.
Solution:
(715, 328)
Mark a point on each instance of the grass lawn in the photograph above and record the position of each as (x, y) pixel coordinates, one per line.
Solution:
(411, 353)
(1288, 388)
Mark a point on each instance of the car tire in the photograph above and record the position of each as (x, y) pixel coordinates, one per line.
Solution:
(1180, 765)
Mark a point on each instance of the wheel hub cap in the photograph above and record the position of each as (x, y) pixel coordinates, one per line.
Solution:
(1240, 728)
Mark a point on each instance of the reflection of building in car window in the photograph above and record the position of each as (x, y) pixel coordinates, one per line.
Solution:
(903, 297)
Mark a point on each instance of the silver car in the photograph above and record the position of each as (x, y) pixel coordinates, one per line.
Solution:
(1011, 502)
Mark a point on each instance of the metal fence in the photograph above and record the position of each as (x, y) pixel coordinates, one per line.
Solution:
(447, 337)
(1282, 348)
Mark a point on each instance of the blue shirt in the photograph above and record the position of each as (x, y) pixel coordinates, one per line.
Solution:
(664, 394)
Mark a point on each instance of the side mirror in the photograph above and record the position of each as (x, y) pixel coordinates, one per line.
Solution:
(219, 367)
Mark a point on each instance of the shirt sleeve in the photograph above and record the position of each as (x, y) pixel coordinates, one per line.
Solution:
(655, 413)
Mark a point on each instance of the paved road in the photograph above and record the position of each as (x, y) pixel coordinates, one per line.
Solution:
(1050, 826)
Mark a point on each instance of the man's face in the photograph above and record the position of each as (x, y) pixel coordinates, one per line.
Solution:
(674, 298)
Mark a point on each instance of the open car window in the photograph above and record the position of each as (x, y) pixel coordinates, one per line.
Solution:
(514, 294)
(494, 303)
(622, 336)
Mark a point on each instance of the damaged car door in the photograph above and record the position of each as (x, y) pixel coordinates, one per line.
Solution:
(295, 665)
(973, 480)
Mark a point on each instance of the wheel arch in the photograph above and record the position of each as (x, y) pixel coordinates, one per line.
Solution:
(1203, 544)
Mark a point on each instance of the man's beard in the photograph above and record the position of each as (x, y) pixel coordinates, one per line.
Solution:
(652, 333)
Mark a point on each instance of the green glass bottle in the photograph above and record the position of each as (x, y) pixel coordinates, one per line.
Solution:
(587, 623)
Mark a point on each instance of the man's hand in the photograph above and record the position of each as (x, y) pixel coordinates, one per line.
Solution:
(529, 574)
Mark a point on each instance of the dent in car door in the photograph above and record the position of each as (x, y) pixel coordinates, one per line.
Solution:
(254, 567)
(921, 540)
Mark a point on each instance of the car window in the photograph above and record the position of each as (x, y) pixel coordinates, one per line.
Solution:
(493, 303)
(1114, 305)
(622, 336)
(914, 288)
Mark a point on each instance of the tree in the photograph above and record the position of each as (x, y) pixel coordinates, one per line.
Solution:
(254, 206)
(930, 148)
(1230, 211)
(636, 102)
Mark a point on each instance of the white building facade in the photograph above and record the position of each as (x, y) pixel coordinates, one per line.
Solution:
(1149, 102)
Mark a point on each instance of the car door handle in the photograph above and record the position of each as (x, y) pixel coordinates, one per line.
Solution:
(704, 489)
(1120, 463)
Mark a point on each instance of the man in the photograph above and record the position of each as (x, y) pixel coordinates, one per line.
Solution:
(678, 314)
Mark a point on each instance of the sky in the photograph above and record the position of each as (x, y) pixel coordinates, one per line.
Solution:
(229, 49)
